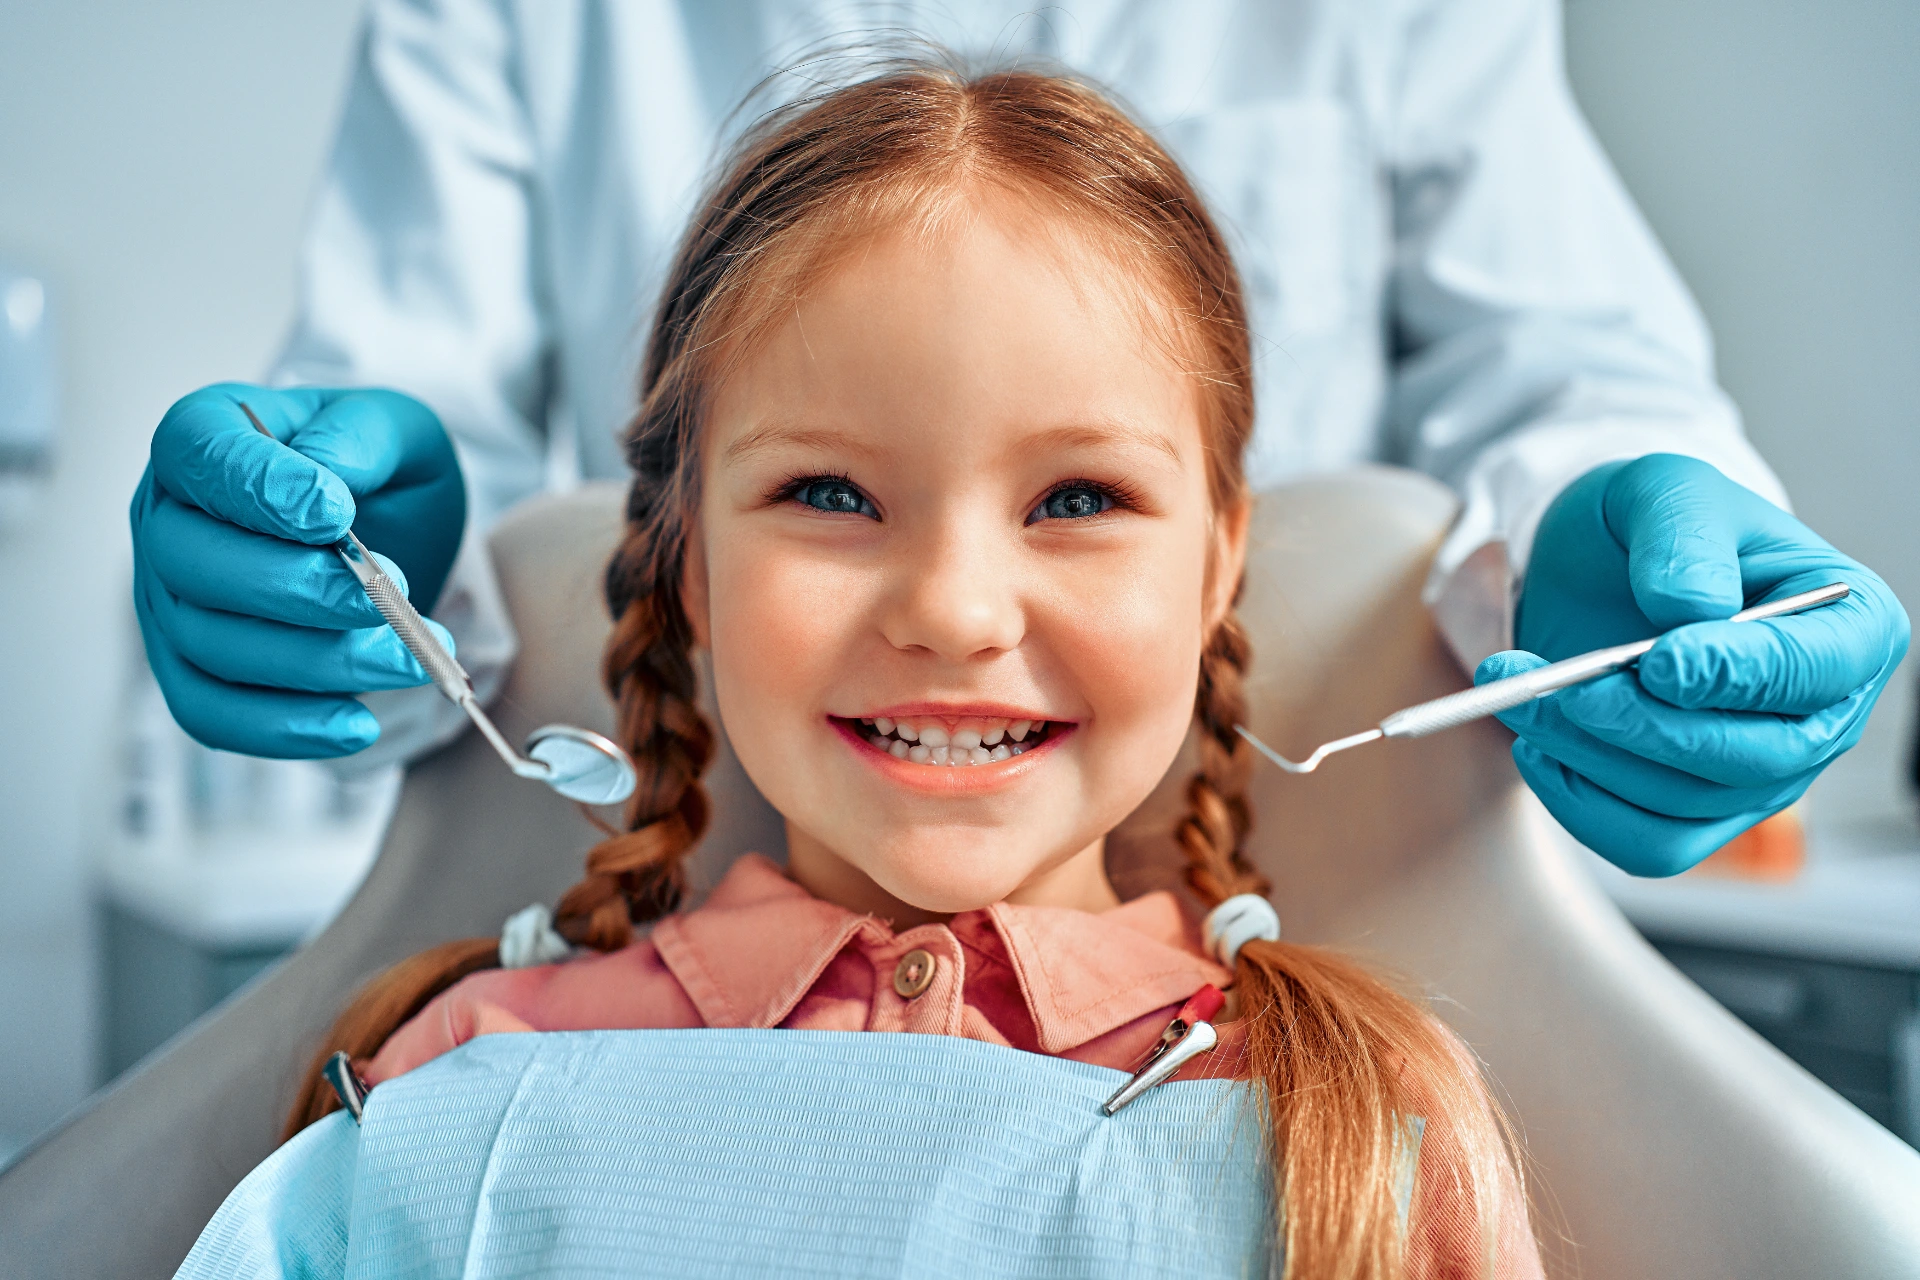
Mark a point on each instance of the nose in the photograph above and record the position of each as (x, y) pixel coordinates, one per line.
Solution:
(955, 595)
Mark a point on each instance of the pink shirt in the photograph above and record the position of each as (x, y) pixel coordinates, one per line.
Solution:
(763, 952)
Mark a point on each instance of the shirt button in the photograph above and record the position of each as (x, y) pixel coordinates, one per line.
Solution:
(914, 973)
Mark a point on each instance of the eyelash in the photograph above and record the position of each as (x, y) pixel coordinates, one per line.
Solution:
(1122, 496)
(790, 489)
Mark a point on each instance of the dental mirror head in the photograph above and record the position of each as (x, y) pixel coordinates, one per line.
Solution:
(582, 765)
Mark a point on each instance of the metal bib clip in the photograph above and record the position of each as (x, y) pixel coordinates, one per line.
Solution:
(1187, 1037)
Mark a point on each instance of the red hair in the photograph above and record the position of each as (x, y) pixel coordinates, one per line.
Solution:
(1342, 1062)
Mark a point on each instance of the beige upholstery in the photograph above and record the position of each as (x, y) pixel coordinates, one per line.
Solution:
(1666, 1139)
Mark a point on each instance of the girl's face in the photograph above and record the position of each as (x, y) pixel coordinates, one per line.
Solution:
(955, 563)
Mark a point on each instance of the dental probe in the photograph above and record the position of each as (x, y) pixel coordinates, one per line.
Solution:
(1500, 695)
(578, 763)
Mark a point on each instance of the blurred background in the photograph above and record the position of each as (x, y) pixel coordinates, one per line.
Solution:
(155, 167)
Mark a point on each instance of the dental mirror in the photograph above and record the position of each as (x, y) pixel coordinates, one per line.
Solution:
(582, 765)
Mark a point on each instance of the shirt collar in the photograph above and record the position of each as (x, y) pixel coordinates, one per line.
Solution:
(758, 944)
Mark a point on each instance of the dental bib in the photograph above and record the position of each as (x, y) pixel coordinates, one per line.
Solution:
(741, 1152)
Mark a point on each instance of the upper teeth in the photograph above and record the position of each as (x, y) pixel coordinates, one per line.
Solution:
(970, 742)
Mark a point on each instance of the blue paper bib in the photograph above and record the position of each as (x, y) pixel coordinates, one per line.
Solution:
(736, 1153)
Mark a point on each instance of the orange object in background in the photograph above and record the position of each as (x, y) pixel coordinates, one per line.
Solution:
(1772, 849)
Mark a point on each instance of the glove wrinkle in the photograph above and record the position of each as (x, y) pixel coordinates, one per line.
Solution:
(221, 566)
(1682, 556)
(1636, 840)
(204, 460)
(1730, 748)
(247, 650)
(259, 722)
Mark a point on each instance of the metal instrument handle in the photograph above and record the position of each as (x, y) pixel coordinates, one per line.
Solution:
(447, 674)
(1502, 695)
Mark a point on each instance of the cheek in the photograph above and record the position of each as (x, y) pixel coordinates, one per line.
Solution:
(1132, 638)
(782, 620)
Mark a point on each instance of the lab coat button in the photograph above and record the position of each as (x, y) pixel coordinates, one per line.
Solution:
(914, 973)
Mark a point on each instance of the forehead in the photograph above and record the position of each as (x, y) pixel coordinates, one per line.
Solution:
(1000, 318)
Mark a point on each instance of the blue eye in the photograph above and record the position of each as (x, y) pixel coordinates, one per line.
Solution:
(825, 493)
(1072, 502)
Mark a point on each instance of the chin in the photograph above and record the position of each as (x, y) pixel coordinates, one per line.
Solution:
(944, 871)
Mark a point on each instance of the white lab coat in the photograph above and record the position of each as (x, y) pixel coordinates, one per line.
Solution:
(1442, 270)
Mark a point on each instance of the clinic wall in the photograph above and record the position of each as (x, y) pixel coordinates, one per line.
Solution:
(155, 165)
(1775, 147)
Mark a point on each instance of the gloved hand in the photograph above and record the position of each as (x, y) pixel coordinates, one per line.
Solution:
(1723, 723)
(258, 635)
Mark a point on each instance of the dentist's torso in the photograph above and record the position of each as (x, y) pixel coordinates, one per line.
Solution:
(1268, 106)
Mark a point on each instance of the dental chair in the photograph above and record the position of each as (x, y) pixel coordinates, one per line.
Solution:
(1662, 1138)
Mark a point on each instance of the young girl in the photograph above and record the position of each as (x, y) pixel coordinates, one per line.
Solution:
(939, 458)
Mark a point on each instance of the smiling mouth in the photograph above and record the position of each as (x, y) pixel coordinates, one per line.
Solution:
(940, 743)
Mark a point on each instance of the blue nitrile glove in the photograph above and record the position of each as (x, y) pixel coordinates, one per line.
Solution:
(1723, 723)
(257, 633)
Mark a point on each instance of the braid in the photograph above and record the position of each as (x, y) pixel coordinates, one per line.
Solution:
(639, 875)
(1343, 1060)
(1214, 831)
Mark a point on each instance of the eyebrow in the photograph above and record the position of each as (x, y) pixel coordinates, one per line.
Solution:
(790, 435)
(1083, 435)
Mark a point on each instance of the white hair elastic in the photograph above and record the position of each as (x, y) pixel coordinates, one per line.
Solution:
(528, 939)
(1238, 921)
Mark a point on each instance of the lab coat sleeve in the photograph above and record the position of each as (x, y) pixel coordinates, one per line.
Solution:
(421, 271)
(1539, 329)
